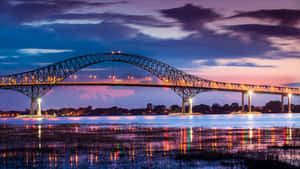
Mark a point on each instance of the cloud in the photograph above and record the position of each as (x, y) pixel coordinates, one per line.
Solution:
(285, 17)
(296, 84)
(104, 31)
(22, 11)
(265, 30)
(62, 21)
(33, 51)
(192, 17)
(3, 57)
(241, 62)
(284, 70)
(143, 20)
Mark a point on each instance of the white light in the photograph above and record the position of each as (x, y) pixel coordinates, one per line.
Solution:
(190, 100)
(250, 92)
(290, 95)
(39, 100)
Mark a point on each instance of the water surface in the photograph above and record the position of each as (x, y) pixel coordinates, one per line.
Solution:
(209, 141)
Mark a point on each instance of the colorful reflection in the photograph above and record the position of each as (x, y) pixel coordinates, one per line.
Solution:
(92, 146)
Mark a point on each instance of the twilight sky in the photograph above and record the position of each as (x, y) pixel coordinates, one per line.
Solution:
(248, 41)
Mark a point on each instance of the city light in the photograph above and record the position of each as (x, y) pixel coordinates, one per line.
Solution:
(290, 95)
(250, 92)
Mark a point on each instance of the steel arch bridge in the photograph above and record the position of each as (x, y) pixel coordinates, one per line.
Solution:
(38, 82)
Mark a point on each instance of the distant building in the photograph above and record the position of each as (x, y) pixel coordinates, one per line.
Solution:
(149, 107)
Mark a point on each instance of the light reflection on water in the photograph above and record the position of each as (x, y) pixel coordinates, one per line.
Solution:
(208, 121)
(147, 141)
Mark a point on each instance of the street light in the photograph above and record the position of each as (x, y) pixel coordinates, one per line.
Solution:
(250, 92)
(190, 100)
(39, 100)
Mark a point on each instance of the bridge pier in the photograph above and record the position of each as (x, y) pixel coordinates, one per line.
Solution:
(32, 106)
(38, 109)
(289, 103)
(282, 103)
(243, 101)
(249, 100)
(190, 104)
(190, 101)
(183, 105)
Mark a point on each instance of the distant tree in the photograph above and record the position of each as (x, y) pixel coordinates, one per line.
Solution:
(175, 108)
(273, 106)
(216, 108)
(297, 109)
(234, 107)
(202, 108)
(159, 108)
(226, 108)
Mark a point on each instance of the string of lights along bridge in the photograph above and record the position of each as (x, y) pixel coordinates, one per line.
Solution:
(36, 83)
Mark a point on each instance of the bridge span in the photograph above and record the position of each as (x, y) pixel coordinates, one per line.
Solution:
(38, 82)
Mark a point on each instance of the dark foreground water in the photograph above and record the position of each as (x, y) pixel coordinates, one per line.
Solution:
(212, 141)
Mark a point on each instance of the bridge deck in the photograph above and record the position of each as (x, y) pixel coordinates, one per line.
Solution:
(168, 85)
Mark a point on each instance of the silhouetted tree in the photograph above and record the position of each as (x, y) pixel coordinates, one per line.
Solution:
(273, 106)
(159, 108)
(216, 108)
(175, 108)
(234, 107)
(202, 108)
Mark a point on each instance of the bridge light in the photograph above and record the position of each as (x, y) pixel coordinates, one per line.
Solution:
(112, 52)
(290, 95)
(190, 100)
(39, 100)
(119, 51)
(250, 92)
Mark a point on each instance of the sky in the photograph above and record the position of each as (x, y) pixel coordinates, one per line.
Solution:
(247, 41)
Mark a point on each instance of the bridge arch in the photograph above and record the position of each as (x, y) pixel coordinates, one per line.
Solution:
(61, 70)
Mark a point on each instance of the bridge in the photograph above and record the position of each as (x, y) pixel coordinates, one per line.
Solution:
(38, 82)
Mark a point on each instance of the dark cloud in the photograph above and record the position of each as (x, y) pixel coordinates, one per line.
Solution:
(247, 65)
(265, 30)
(104, 31)
(286, 17)
(292, 84)
(23, 10)
(192, 17)
(145, 20)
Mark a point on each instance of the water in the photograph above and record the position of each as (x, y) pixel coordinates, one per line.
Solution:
(209, 141)
(207, 121)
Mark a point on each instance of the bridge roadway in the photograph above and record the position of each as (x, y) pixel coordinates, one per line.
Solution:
(168, 85)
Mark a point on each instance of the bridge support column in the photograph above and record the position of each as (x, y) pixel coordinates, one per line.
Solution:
(249, 101)
(38, 110)
(183, 106)
(289, 103)
(282, 103)
(32, 106)
(243, 101)
(190, 101)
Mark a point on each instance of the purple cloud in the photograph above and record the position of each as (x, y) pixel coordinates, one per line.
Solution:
(192, 17)
(145, 20)
(265, 30)
(25, 10)
(286, 17)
